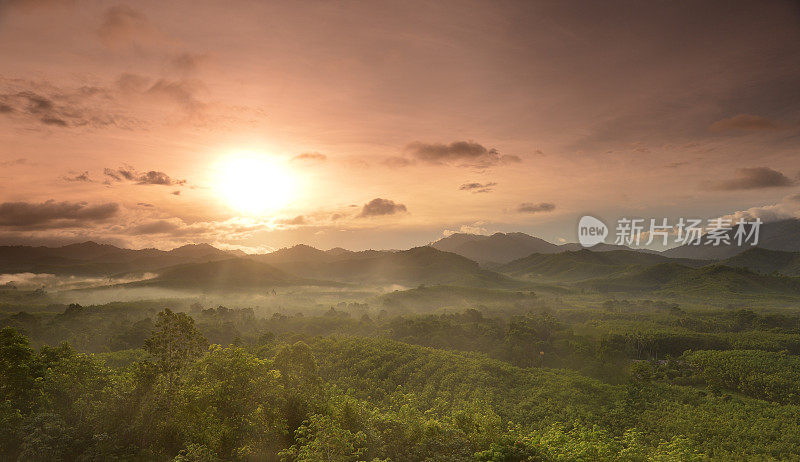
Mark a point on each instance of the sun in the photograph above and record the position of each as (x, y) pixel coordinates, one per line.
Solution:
(254, 184)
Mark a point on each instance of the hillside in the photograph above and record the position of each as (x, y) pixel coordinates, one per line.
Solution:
(498, 248)
(585, 264)
(235, 273)
(304, 254)
(766, 261)
(672, 279)
(92, 259)
(781, 235)
(420, 265)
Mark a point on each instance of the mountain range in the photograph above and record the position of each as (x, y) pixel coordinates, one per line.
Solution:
(783, 235)
(584, 264)
(501, 248)
(496, 261)
(93, 259)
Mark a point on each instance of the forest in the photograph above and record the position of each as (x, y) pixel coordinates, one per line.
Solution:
(518, 376)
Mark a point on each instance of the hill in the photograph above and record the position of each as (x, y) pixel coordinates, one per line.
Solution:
(781, 235)
(672, 279)
(498, 248)
(501, 248)
(766, 261)
(420, 265)
(235, 273)
(584, 264)
(304, 254)
(93, 259)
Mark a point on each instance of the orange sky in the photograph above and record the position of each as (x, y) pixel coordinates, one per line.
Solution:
(119, 122)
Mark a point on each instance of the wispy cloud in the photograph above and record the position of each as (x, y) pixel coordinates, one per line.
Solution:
(529, 207)
(754, 178)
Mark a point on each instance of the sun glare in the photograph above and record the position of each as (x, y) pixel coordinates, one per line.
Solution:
(255, 184)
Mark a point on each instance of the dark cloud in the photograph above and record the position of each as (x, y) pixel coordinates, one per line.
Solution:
(462, 153)
(144, 204)
(183, 92)
(56, 107)
(528, 207)
(176, 193)
(754, 178)
(478, 187)
(379, 206)
(54, 214)
(313, 156)
(744, 122)
(128, 173)
(82, 177)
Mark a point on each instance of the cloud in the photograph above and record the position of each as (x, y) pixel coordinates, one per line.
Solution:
(311, 156)
(474, 228)
(128, 173)
(83, 177)
(157, 227)
(794, 198)
(528, 207)
(296, 221)
(54, 214)
(11, 163)
(478, 187)
(60, 108)
(377, 207)
(676, 164)
(461, 153)
(397, 162)
(123, 25)
(30, 5)
(189, 63)
(744, 122)
(178, 231)
(754, 178)
(181, 92)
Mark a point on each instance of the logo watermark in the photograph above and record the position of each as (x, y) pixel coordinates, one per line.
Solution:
(686, 231)
(591, 231)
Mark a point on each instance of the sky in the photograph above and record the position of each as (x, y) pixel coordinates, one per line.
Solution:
(258, 125)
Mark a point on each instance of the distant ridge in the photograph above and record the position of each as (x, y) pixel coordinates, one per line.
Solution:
(501, 248)
(783, 235)
(220, 275)
(93, 259)
(766, 261)
(584, 264)
(419, 265)
(498, 248)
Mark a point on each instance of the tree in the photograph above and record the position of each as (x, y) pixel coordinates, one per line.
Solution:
(175, 342)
